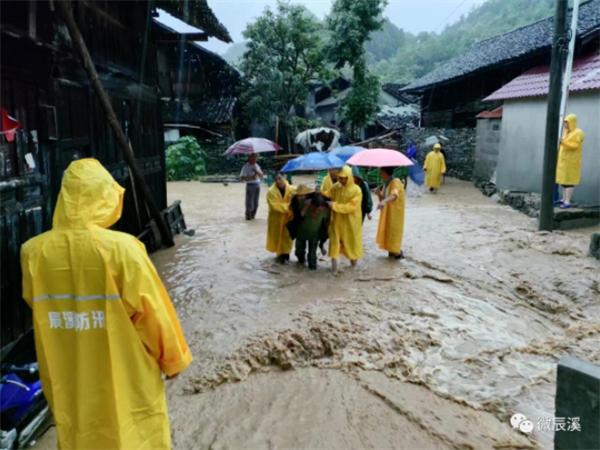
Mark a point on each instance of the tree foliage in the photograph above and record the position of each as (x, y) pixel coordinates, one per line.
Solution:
(361, 104)
(284, 53)
(185, 160)
(417, 55)
(350, 23)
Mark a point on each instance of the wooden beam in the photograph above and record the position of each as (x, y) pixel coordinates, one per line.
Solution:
(64, 6)
(189, 37)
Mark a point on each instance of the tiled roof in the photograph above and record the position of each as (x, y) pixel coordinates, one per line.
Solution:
(535, 82)
(198, 14)
(507, 47)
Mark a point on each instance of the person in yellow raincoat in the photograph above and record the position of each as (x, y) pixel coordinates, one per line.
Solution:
(328, 182)
(105, 329)
(345, 227)
(568, 168)
(279, 197)
(435, 168)
(391, 219)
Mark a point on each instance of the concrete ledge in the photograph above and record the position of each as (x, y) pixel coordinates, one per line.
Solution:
(595, 245)
(577, 396)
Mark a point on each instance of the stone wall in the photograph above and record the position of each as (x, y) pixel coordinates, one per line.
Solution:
(458, 145)
(486, 149)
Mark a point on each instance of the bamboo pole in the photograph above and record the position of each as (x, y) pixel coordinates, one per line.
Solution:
(64, 6)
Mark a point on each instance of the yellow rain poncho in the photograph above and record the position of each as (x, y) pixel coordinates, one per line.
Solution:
(326, 185)
(568, 168)
(391, 219)
(435, 167)
(278, 237)
(345, 227)
(105, 328)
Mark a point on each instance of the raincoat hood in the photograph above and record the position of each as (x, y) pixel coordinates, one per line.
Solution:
(437, 147)
(571, 119)
(346, 172)
(89, 196)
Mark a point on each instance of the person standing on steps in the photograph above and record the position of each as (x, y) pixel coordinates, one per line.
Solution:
(568, 168)
(252, 174)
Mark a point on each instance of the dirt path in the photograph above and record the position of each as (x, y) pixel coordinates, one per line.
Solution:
(435, 351)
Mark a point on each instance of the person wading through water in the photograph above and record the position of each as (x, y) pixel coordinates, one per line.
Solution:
(252, 174)
(390, 229)
(435, 168)
(345, 227)
(310, 224)
(279, 197)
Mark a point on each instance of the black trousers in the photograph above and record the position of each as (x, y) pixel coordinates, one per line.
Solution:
(312, 245)
(252, 196)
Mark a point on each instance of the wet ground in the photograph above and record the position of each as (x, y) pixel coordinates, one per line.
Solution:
(434, 351)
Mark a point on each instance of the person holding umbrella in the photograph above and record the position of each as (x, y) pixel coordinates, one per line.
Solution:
(345, 228)
(435, 168)
(391, 217)
(391, 196)
(252, 174)
(279, 197)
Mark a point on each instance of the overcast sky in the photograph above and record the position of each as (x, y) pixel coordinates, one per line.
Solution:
(411, 15)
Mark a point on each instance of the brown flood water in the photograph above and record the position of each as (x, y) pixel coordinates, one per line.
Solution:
(434, 351)
(437, 350)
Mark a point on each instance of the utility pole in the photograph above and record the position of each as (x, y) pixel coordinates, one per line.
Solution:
(559, 46)
(569, 65)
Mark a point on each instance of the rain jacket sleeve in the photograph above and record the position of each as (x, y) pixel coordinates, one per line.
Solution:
(26, 280)
(152, 312)
(443, 164)
(350, 206)
(573, 140)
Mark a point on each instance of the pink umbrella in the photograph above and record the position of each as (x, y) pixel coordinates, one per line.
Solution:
(252, 145)
(379, 157)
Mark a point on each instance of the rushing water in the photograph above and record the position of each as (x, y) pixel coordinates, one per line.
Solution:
(437, 350)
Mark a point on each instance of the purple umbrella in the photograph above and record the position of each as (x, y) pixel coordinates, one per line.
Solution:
(252, 145)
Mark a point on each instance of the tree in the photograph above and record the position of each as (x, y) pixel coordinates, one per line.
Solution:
(351, 22)
(285, 53)
(361, 104)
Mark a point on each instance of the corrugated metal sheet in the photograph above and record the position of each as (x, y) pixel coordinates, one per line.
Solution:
(535, 82)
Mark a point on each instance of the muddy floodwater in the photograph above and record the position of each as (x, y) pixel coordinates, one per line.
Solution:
(435, 351)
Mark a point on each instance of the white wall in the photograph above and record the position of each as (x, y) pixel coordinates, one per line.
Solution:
(521, 157)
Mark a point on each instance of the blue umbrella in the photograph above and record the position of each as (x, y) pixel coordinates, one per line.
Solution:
(313, 161)
(346, 152)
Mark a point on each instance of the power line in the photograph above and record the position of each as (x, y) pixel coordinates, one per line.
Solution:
(450, 15)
